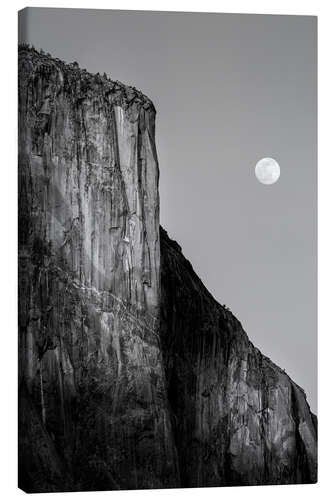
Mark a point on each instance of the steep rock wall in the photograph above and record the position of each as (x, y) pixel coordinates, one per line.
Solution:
(92, 391)
(238, 419)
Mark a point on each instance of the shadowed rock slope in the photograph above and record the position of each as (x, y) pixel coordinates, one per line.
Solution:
(238, 419)
(130, 374)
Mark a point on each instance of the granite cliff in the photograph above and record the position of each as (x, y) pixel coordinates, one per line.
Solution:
(238, 419)
(130, 374)
(92, 388)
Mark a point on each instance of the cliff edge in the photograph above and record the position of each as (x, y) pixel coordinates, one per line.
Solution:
(91, 382)
(238, 419)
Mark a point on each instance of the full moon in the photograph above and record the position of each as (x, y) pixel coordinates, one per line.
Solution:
(267, 171)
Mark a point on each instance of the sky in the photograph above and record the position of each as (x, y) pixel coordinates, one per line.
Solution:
(229, 89)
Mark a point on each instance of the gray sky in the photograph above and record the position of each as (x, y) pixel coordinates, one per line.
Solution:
(229, 89)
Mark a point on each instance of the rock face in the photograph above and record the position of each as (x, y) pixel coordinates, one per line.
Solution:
(130, 374)
(92, 388)
(238, 419)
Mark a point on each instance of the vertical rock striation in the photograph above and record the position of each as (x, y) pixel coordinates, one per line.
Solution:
(130, 373)
(92, 391)
(238, 419)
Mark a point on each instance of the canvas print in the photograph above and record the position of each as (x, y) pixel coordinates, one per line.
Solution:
(167, 250)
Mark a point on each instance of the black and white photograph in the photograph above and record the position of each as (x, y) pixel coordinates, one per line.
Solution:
(167, 250)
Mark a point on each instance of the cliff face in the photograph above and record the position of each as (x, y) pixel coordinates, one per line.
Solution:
(238, 419)
(92, 388)
(130, 374)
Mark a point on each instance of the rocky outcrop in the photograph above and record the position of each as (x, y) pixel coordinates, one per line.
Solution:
(130, 374)
(238, 419)
(91, 376)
